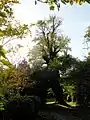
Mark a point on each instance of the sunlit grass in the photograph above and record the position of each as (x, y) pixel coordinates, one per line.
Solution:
(52, 101)
(72, 103)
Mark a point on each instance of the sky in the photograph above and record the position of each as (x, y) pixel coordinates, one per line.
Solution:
(75, 18)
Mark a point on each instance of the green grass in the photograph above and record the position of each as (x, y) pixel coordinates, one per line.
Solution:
(72, 103)
(52, 100)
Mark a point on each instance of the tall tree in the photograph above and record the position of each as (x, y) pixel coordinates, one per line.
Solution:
(50, 42)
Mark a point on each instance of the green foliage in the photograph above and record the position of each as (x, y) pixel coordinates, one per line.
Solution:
(51, 7)
(3, 58)
(70, 90)
(65, 63)
(22, 107)
(19, 98)
(5, 62)
(87, 35)
(9, 27)
(49, 40)
(71, 2)
(68, 67)
(55, 63)
(2, 102)
(2, 52)
(13, 78)
(78, 81)
(52, 3)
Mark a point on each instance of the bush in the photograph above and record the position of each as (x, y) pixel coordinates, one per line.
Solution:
(83, 84)
(12, 78)
(36, 89)
(22, 108)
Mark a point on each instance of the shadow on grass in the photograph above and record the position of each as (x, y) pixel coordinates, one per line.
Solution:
(81, 112)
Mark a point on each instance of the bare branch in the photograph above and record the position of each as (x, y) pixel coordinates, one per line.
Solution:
(8, 41)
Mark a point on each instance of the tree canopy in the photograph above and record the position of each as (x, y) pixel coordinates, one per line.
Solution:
(50, 42)
(10, 29)
(52, 3)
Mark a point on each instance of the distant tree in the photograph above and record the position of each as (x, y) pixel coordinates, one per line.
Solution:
(50, 42)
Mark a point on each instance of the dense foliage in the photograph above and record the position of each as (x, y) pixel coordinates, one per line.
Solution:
(21, 107)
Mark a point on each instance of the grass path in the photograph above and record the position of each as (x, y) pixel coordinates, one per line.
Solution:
(64, 113)
(59, 112)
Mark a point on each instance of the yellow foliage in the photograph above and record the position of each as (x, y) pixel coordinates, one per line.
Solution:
(13, 78)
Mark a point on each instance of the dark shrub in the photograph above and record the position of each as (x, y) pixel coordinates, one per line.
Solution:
(36, 89)
(83, 84)
(22, 108)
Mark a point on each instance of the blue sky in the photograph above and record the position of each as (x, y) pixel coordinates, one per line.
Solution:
(76, 19)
